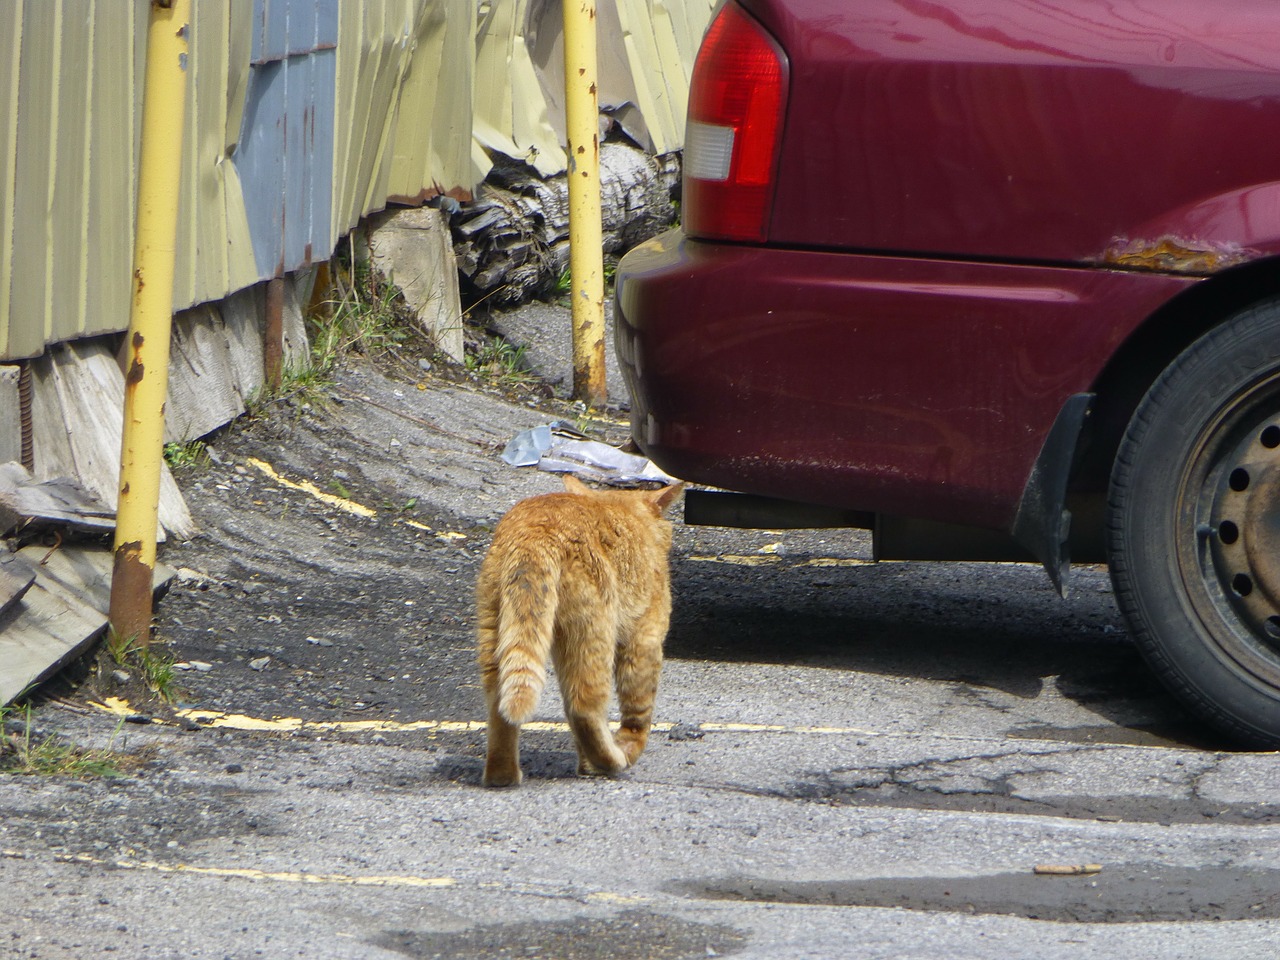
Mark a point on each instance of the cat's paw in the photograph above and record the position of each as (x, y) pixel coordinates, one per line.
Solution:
(501, 778)
(588, 769)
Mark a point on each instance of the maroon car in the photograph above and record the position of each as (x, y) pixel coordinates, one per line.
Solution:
(995, 280)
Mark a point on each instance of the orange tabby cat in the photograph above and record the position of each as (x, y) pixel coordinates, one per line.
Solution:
(582, 576)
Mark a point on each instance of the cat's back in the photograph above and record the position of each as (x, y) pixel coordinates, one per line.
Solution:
(549, 516)
(600, 525)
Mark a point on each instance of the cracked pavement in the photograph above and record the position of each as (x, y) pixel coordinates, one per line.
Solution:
(878, 754)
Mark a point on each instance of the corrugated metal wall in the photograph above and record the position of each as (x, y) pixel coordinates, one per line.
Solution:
(68, 149)
(303, 116)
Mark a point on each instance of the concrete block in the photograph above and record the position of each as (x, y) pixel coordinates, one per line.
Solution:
(414, 250)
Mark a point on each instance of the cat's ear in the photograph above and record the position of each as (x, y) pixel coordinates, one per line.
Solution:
(573, 485)
(666, 496)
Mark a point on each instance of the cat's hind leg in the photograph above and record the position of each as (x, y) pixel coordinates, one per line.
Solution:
(502, 760)
(638, 666)
(585, 679)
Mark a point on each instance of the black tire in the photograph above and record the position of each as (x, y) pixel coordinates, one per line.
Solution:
(1194, 526)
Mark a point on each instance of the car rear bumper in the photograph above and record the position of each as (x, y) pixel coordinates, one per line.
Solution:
(916, 387)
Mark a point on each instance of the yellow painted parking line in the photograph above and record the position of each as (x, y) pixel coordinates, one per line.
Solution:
(240, 721)
(741, 560)
(344, 504)
(765, 559)
(247, 873)
(306, 486)
(837, 562)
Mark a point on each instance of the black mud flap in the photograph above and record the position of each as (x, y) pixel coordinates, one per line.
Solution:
(1043, 523)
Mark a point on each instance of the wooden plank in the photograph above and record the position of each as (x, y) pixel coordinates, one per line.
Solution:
(15, 581)
(40, 635)
(202, 388)
(26, 503)
(242, 315)
(62, 614)
(10, 426)
(83, 572)
(77, 398)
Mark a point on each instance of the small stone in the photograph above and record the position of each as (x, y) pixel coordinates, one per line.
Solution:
(259, 663)
(120, 676)
(320, 641)
(234, 768)
(424, 364)
(686, 731)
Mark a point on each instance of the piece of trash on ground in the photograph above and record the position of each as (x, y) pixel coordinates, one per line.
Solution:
(1067, 869)
(557, 448)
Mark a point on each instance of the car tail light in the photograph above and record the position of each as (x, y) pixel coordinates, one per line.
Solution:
(736, 103)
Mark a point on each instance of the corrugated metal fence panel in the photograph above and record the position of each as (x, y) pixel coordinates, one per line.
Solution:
(646, 50)
(403, 104)
(67, 225)
(289, 141)
(511, 115)
(214, 248)
(432, 136)
(11, 26)
(661, 39)
(285, 152)
(370, 66)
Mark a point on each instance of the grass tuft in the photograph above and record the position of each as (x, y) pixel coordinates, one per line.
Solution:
(156, 669)
(23, 752)
(501, 361)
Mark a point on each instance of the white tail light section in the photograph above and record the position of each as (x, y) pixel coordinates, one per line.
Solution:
(708, 151)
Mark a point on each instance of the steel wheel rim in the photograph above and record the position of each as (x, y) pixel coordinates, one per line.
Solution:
(1229, 552)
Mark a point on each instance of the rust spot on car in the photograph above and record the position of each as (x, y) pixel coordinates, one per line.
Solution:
(1171, 254)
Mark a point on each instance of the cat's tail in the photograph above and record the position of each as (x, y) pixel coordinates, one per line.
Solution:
(525, 624)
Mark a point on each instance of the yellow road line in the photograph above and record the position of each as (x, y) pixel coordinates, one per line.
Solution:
(342, 503)
(240, 721)
(765, 559)
(246, 873)
(306, 486)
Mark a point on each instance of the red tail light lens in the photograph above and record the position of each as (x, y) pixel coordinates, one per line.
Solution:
(736, 103)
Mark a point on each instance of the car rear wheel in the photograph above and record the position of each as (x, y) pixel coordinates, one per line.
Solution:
(1194, 526)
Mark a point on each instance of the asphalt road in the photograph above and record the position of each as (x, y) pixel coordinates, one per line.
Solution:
(852, 758)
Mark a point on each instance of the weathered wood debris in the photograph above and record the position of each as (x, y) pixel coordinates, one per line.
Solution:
(28, 505)
(54, 595)
(512, 241)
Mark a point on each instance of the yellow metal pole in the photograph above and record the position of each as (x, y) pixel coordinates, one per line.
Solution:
(586, 266)
(150, 320)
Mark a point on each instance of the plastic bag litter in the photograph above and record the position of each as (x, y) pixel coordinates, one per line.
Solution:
(599, 461)
(527, 447)
(548, 448)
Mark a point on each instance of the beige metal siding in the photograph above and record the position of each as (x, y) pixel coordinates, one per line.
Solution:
(214, 251)
(403, 104)
(68, 153)
(425, 90)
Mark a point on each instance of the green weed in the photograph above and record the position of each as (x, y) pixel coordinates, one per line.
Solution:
(24, 753)
(156, 669)
(189, 454)
(501, 361)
